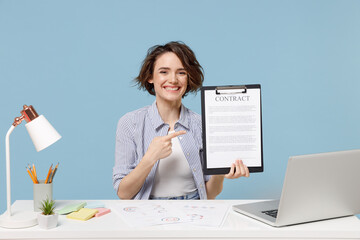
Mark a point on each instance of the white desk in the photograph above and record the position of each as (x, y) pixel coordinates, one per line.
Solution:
(236, 226)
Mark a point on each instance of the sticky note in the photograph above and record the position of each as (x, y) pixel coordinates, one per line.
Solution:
(95, 205)
(71, 208)
(102, 211)
(83, 214)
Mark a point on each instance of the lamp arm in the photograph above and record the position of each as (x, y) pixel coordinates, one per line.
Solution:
(8, 188)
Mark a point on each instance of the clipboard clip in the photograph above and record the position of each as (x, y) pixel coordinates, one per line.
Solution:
(231, 89)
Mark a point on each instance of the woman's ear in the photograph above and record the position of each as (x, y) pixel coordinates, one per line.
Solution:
(150, 81)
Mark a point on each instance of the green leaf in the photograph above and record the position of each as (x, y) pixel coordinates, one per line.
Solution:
(47, 206)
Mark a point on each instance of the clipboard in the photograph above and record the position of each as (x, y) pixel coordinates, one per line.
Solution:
(231, 127)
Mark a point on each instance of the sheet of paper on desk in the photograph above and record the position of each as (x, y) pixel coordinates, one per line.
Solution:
(203, 213)
(148, 213)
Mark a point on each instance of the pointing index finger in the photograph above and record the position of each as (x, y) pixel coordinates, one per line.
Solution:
(175, 134)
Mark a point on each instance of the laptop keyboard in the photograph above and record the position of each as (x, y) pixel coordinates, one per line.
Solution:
(271, 213)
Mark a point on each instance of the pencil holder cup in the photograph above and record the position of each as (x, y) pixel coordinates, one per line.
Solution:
(42, 191)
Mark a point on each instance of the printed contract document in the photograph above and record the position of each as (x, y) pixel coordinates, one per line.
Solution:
(232, 127)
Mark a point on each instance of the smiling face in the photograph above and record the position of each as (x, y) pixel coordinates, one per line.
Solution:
(169, 78)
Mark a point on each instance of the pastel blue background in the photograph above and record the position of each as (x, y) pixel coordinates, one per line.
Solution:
(74, 62)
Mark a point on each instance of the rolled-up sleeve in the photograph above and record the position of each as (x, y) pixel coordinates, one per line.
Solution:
(125, 150)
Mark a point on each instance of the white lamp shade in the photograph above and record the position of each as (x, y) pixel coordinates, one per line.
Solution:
(42, 133)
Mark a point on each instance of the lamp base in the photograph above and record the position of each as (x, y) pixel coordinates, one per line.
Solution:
(22, 219)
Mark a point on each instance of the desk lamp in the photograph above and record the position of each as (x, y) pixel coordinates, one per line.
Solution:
(42, 135)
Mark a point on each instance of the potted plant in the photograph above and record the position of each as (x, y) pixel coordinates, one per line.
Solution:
(47, 218)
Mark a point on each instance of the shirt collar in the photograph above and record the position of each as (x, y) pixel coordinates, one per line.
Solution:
(155, 117)
(184, 117)
(157, 121)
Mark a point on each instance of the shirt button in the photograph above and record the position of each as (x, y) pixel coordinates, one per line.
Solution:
(194, 169)
(180, 138)
(201, 185)
(187, 154)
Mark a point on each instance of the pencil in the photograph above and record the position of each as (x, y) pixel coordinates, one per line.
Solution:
(30, 175)
(35, 175)
(50, 177)
(53, 174)
(47, 177)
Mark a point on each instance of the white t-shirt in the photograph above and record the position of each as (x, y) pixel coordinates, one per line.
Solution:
(173, 175)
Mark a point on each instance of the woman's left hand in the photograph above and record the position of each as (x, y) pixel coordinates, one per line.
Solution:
(238, 169)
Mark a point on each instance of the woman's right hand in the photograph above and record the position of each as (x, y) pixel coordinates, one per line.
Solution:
(161, 147)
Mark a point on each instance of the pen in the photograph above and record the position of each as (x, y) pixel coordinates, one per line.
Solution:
(30, 174)
(48, 175)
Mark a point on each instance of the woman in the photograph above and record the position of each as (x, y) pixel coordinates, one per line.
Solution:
(157, 153)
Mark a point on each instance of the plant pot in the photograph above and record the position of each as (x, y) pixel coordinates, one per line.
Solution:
(47, 221)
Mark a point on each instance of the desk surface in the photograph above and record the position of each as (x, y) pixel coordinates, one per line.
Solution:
(236, 226)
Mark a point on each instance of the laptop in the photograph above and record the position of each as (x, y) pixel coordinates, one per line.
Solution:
(316, 187)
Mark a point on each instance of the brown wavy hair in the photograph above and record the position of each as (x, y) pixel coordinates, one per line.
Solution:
(187, 58)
